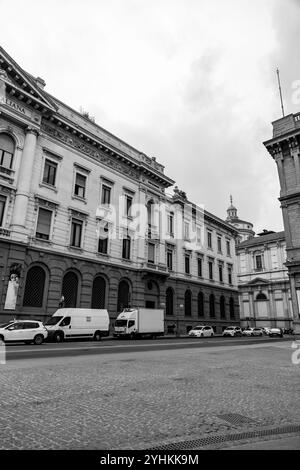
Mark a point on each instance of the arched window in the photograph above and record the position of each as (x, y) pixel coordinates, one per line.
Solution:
(231, 307)
(188, 303)
(123, 296)
(222, 307)
(7, 148)
(34, 287)
(70, 289)
(212, 305)
(200, 304)
(261, 296)
(98, 292)
(169, 301)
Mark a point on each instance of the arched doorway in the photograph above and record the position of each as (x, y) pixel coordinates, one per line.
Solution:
(123, 295)
(34, 287)
(70, 289)
(98, 292)
(222, 307)
(151, 294)
(212, 312)
(262, 305)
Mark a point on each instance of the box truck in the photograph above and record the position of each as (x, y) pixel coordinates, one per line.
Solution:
(72, 323)
(138, 322)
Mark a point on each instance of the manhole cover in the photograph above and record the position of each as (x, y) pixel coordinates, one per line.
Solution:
(235, 418)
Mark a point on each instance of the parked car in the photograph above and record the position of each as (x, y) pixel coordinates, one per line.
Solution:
(26, 331)
(232, 331)
(247, 331)
(256, 331)
(201, 331)
(266, 330)
(276, 332)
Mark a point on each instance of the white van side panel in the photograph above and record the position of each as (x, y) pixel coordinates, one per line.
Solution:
(84, 322)
(150, 320)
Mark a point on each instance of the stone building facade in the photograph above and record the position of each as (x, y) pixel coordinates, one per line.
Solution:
(71, 198)
(284, 147)
(263, 281)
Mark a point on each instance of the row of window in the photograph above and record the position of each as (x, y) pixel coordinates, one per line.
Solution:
(188, 298)
(34, 294)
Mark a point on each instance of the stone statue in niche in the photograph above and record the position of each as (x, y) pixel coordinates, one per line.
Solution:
(13, 287)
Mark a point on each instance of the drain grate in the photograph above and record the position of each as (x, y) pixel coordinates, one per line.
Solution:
(218, 439)
(235, 418)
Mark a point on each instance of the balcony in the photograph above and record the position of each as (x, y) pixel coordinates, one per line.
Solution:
(159, 269)
(7, 174)
(4, 232)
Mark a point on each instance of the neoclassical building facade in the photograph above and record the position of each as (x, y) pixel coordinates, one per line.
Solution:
(264, 286)
(86, 216)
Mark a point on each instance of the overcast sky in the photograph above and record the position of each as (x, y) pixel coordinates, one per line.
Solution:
(191, 82)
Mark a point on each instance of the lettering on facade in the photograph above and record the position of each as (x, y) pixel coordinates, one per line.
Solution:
(15, 106)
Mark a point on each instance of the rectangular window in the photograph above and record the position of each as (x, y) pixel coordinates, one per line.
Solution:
(219, 244)
(220, 273)
(229, 275)
(228, 247)
(43, 224)
(209, 244)
(126, 248)
(186, 231)
(103, 241)
(6, 159)
(76, 233)
(128, 204)
(151, 253)
(187, 264)
(2, 209)
(106, 193)
(80, 184)
(170, 260)
(210, 270)
(258, 262)
(171, 224)
(49, 175)
(199, 267)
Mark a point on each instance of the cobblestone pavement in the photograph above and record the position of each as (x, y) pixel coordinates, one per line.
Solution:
(139, 400)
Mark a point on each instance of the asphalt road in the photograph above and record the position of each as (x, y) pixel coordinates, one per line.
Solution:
(107, 346)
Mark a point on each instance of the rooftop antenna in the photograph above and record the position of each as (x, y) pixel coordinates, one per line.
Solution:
(279, 86)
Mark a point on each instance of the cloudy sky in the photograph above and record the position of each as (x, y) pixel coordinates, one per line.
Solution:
(191, 82)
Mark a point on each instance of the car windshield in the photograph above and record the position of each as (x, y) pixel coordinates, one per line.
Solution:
(198, 328)
(229, 328)
(3, 325)
(53, 320)
(120, 322)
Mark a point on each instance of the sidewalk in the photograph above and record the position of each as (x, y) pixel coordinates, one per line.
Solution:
(286, 443)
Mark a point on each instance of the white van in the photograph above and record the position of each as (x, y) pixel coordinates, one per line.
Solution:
(68, 323)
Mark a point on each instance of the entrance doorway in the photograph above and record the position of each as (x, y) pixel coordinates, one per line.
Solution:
(150, 304)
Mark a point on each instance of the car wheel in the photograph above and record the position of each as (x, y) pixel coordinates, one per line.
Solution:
(58, 337)
(38, 339)
(97, 336)
(212, 335)
(2, 339)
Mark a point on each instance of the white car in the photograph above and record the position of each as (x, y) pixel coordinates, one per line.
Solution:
(232, 331)
(276, 332)
(200, 331)
(26, 331)
(253, 331)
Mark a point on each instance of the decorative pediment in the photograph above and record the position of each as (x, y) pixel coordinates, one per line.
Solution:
(258, 281)
(23, 86)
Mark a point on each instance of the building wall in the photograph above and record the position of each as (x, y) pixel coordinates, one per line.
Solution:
(271, 281)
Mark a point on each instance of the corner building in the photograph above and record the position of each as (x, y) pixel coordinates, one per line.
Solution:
(60, 175)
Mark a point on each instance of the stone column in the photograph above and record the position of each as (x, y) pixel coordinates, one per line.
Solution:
(24, 179)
